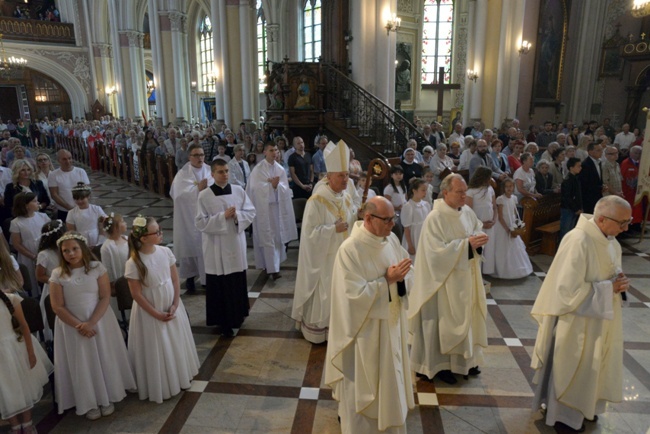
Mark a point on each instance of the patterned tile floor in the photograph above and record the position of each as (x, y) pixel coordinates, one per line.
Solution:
(267, 379)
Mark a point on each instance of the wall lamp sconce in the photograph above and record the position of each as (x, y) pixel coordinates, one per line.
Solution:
(525, 47)
(472, 75)
(150, 86)
(193, 85)
(111, 90)
(392, 24)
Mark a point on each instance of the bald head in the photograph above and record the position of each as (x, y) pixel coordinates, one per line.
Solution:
(376, 211)
(65, 160)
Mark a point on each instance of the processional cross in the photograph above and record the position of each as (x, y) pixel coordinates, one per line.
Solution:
(440, 86)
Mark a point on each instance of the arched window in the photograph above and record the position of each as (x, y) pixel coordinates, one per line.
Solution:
(261, 45)
(311, 22)
(437, 28)
(205, 55)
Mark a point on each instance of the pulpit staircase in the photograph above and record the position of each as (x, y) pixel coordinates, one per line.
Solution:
(342, 108)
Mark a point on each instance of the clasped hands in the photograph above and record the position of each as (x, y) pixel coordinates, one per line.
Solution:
(86, 329)
(478, 240)
(274, 181)
(621, 283)
(167, 316)
(398, 272)
(341, 225)
(230, 212)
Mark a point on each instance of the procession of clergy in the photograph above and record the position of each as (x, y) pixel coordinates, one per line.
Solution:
(384, 315)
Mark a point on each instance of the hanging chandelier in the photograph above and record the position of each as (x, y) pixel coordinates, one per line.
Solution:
(9, 64)
(640, 8)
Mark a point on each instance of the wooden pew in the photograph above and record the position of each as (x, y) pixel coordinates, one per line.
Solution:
(537, 214)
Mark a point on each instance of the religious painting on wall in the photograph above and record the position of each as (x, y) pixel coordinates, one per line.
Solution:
(549, 57)
(455, 117)
(403, 71)
(611, 61)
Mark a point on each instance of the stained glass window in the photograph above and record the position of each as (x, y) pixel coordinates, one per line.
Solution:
(261, 46)
(437, 29)
(312, 30)
(206, 56)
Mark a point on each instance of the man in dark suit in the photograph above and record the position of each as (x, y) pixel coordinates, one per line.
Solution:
(591, 180)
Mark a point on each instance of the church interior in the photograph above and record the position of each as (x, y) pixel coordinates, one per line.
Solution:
(369, 72)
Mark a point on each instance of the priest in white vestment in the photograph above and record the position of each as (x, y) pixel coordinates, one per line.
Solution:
(447, 308)
(275, 222)
(188, 182)
(329, 215)
(367, 361)
(223, 213)
(578, 355)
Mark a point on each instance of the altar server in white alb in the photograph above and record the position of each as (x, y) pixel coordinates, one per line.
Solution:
(224, 211)
(188, 182)
(275, 222)
(578, 353)
(329, 216)
(447, 308)
(367, 361)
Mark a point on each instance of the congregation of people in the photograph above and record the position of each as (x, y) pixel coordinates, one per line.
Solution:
(394, 286)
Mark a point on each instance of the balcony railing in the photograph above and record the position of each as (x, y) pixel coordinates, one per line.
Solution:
(16, 29)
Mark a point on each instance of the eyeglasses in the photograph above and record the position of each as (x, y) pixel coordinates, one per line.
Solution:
(198, 155)
(386, 220)
(621, 223)
(158, 232)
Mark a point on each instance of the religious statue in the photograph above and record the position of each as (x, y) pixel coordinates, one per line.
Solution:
(276, 96)
(302, 102)
(403, 77)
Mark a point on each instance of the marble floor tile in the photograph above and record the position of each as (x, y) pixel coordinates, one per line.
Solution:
(218, 411)
(268, 414)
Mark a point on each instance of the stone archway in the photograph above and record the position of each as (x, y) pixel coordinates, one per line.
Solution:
(636, 95)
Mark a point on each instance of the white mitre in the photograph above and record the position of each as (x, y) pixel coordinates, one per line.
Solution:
(337, 157)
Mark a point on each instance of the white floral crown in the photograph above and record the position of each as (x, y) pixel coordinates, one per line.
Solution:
(53, 230)
(108, 222)
(71, 236)
(81, 187)
(139, 225)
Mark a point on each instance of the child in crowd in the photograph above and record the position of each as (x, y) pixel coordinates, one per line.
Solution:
(25, 367)
(10, 278)
(114, 251)
(85, 218)
(428, 178)
(361, 185)
(161, 346)
(413, 214)
(46, 261)
(91, 365)
(395, 191)
(26, 232)
(221, 149)
(512, 260)
(482, 199)
(571, 197)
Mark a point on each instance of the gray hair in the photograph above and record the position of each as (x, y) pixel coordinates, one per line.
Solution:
(609, 204)
(445, 185)
(239, 147)
(442, 146)
(541, 162)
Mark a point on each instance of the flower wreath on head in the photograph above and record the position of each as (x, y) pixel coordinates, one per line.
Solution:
(139, 227)
(108, 222)
(71, 236)
(53, 230)
(81, 187)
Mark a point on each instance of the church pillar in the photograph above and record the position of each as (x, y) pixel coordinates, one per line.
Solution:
(133, 67)
(248, 68)
(180, 69)
(103, 55)
(117, 99)
(222, 61)
(372, 50)
(469, 89)
(507, 55)
(585, 74)
(158, 65)
(273, 42)
(514, 41)
(478, 42)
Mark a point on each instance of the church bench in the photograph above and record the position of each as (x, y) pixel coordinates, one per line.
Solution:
(537, 213)
(550, 233)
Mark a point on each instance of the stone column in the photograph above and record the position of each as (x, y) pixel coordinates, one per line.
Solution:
(249, 84)
(503, 63)
(273, 42)
(180, 69)
(103, 58)
(515, 39)
(133, 89)
(478, 63)
(157, 58)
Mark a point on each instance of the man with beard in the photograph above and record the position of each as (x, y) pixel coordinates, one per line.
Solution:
(481, 158)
